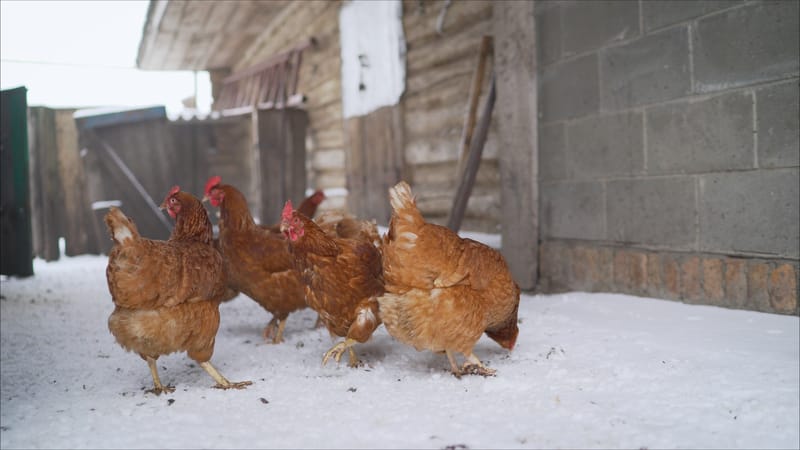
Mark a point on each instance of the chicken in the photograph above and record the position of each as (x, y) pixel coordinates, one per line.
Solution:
(166, 293)
(343, 277)
(341, 224)
(444, 291)
(308, 207)
(257, 261)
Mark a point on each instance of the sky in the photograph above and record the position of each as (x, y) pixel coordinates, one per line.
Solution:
(588, 370)
(83, 54)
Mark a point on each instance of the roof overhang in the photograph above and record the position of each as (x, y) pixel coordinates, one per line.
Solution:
(202, 35)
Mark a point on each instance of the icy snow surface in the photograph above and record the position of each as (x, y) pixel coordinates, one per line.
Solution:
(588, 371)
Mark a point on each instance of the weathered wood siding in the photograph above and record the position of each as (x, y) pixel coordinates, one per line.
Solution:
(77, 211)
(439, 72)
(319, 80)
(147, 149)
(46, 194)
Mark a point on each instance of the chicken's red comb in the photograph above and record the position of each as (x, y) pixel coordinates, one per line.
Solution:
(175, 189)
(287, 210)
(213, 181)
(318, 196)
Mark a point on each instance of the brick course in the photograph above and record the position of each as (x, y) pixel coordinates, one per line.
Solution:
(732, 282)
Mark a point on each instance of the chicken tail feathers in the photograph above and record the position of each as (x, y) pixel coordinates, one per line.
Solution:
(403, 204)
(121, 228)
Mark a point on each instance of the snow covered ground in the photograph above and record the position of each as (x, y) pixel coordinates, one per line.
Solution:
(589, 371)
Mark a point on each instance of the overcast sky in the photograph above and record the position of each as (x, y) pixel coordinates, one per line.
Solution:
(83, 53)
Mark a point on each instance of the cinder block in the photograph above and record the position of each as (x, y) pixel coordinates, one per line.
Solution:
(691, 289)
(755, 211)
(713, 287)
(654, 276)
(783, 289)
(661, 13)
(554, 266)
(758, 286)
(552, 152)
(572, 210)
(569, 89)
(659, 211)
(606, 145)
(671, 276)
(591, 25)
(736, 282)
(702, 136)
(756, 42)
(652, 69)
(591, 268)
(548, 31)
(630, 271)
(778, 125)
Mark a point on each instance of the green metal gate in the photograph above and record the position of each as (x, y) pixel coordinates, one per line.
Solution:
(16, 253)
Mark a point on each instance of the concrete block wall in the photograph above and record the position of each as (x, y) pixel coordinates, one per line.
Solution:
(669, 150)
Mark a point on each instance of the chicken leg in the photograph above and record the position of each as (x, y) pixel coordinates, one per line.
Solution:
(158, 387)
(222, 382)
(337, 350)
(275, 329)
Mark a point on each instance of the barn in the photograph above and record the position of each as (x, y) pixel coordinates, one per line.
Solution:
(647, 148)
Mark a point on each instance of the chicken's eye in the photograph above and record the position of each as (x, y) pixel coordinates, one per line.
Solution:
(296, 221)
(173, 200)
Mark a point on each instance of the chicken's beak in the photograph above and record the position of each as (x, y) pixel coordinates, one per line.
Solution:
(205, 199)
(163, 206)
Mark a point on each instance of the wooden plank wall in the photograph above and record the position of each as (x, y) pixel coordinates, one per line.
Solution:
(439, 72)
(47, 204)
(319, 80)
(282, 160)
(374, 161)
(148, 150)
(230, 155)
(77, 211)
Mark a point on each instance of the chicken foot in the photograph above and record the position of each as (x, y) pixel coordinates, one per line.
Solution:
(222, 382)
(472, 366)
(337, 350)
(158, 388)
(274, 329)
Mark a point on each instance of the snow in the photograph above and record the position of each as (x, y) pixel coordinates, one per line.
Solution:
(589, 371)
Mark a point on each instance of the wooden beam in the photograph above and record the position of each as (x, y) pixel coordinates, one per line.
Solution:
(515, 67)
(467, 178)
(472, 103)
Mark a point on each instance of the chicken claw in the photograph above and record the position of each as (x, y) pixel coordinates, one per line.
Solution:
(337, 350)
(222, 382)
(158, 388)
(472, 366)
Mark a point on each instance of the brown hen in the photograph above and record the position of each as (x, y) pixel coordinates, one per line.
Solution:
(166, 293)
(444, 291)
(342, 277)
(257, 261)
